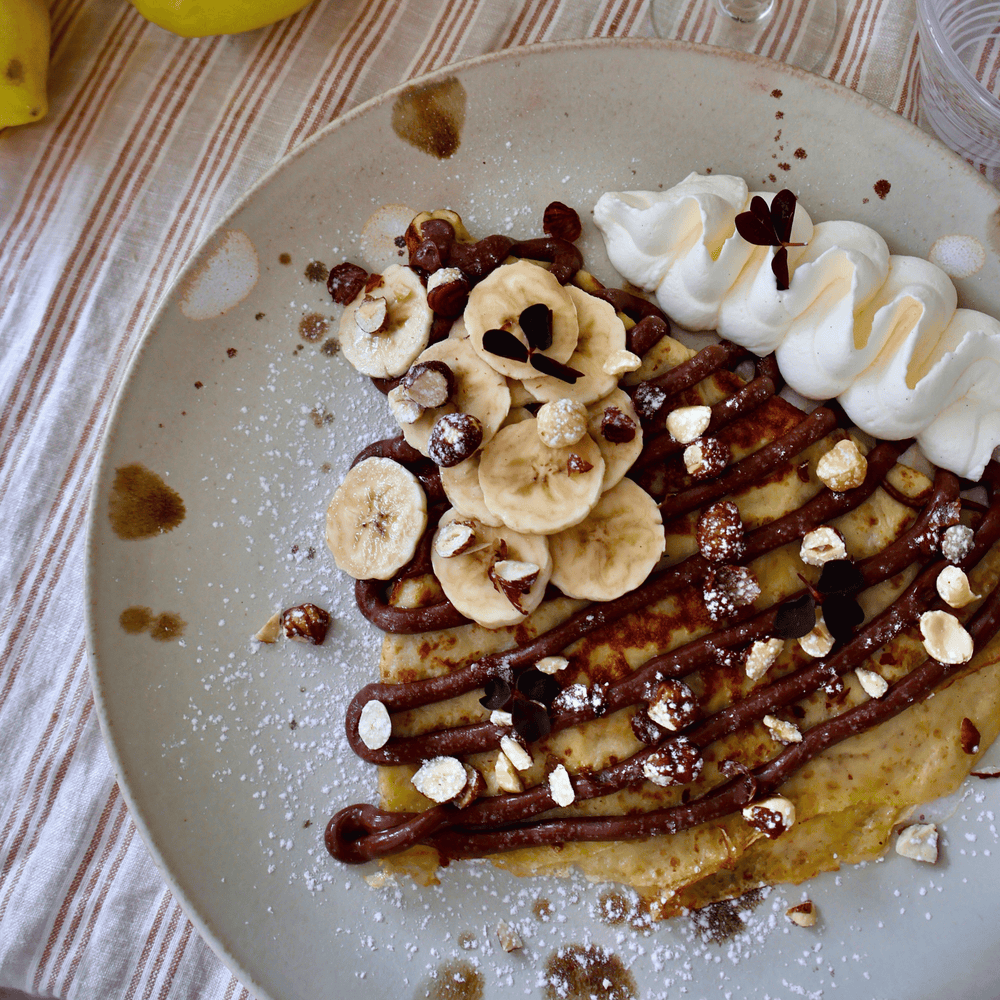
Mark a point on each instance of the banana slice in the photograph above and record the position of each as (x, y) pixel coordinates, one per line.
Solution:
(404, 333)
(497, 302)
(537, 489)
(375, 519)
(480, 391)
(619, 455)
(613, 550)
(461, 487)
(601, 334)
(466, 578)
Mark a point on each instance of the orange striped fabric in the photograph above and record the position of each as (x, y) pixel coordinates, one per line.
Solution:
(149, 140)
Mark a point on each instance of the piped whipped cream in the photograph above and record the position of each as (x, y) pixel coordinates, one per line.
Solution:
(880, 332)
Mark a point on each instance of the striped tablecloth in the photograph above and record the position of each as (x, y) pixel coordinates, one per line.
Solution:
(149, 140)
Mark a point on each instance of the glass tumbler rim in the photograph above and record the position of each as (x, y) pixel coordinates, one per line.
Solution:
(942, 49)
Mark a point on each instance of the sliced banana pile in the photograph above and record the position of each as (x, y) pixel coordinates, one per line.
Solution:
(521, 409)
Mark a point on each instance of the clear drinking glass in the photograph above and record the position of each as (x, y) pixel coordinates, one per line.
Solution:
(960, 77)
(799, 32)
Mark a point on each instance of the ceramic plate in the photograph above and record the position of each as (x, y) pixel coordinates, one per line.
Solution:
(238, 420)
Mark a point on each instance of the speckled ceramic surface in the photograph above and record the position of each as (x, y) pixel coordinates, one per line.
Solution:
(237, 422)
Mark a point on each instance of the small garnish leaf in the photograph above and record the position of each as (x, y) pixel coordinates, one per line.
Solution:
(537, 686)
(842, 615)
(782, 214)
(796, 618)
(840, 576)
(498, 694)
(505, 345)
(549, 366)
(531, 720)
(536, 325)
(754, 231)
(779, 268)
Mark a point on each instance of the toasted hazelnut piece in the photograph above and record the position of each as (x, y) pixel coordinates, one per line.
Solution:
(306, 623)
(448, 292)
(345, 281)
(803, 914)
(822, 545)
(508, 780)
(454, 538)
(515, 753)
(561, 423)
(919, 842)
(402, 407)
(705, 458)
(843, 467)
(819, 641)
(271, 629)
(720, 532)
(560, 787)
(953, 587)
(454, 437)
(562, 222)
(510, 940)
(475, 785)
(648, 400)
(688, 423)
(513, 578)
(783, 732)
(957, 542)
(552, 664)
(619, 362)
(576, 464)
(729, 588)
(429, 383)
(374, 726)
(501, 718)
(771, 816)
(440, 778)
(372, 314)
(944, 637)
(678, 762)
(617, 427)
(674, 705)
(875, 685)
(761, 656)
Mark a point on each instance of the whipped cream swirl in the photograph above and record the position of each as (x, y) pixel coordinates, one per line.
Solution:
(880, 332)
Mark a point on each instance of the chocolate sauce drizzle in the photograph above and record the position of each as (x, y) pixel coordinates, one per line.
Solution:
(362, 832)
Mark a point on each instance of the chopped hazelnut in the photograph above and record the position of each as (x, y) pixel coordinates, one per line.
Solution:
(454, 437)
(957, 542)
(513, 578)
(516, 753)
(819, 641)
(761, 656)
(674, 705)
(617, 427)
(803, 914)
(454, 538)
(508, 780)
(783, 732)
(501, 719)
(729, 588)
(510, 940)
(919, 842)
(953, 587)
(619, 362)
(552, 664)
(688, 423)
(372, 314)
(560, 787)
(821, 546)
(577, 465)
(561, 423)
(843, 467)
(440, 778)
(944, 637)
(429, 383)
(874, 684)
(402, 407)
(706, 458)
(448, 292)
(306, 623)
(271, 629)
(677, 762)
(720, 532)
(475, 785)
(771, 816)
(374, 726)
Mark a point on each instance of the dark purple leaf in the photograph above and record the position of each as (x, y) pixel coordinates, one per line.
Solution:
(536, 686)
(782, 214)
(498, 694)
(531, 720)
(759, 210)
(549, 366)
(536, 325)
(754, 231)
(779, 265)
(796, 618)
(842, 615)
(840, 576)
(505, 345)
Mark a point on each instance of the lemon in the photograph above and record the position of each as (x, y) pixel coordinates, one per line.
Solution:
(24, 61)
(194, 18)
